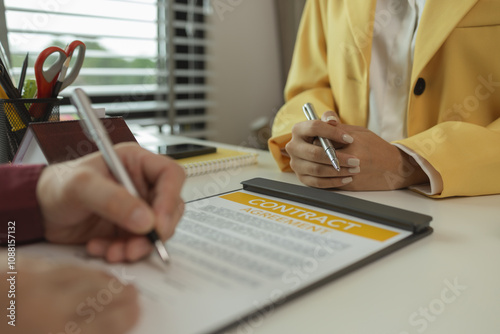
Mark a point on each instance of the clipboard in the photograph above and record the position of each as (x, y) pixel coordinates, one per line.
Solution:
(249, 241)
(416, 223)
(234, 255)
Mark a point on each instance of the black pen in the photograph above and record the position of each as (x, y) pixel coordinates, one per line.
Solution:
(23, 74)
(326, 143)
(98, 134)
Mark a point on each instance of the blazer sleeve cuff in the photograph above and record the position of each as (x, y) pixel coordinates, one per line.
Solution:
(277, 148)
(435, 186)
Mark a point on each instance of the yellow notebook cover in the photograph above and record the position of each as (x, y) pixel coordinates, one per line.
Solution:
(221, 160)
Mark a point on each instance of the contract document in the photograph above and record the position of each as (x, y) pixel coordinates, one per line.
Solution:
(237, 256)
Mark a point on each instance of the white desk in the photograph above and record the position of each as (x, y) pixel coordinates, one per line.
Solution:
(405, 292)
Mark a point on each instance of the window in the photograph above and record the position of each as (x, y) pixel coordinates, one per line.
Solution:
(127, 64)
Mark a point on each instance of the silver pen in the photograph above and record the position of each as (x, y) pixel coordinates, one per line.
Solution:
(94, 128)
(326, 143)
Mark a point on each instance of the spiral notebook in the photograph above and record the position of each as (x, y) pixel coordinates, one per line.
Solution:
(223, 159)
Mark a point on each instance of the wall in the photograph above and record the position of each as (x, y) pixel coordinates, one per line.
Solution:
(245, 69)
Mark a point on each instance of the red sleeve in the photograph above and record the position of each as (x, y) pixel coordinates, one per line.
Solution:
(18, 203)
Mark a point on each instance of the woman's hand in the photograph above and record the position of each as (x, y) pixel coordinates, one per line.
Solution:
(367, 161)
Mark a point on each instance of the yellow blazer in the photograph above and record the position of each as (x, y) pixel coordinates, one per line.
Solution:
(454, 123)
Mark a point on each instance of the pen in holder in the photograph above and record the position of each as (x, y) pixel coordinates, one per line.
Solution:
(16, 115)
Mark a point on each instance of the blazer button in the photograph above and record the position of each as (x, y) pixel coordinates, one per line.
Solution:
(419, 87)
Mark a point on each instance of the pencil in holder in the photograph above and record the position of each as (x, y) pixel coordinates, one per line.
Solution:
(16, 115)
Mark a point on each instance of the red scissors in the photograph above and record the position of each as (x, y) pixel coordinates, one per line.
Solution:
(46, 80)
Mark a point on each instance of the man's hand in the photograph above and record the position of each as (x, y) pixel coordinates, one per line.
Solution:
(55, 298)
(367, 161)
(81, 202)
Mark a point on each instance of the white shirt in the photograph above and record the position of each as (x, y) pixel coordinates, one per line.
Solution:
(395, 30)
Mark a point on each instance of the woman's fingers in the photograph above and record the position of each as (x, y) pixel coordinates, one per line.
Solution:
(330, 117)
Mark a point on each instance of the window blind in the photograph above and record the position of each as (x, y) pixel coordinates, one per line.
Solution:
(131, 68)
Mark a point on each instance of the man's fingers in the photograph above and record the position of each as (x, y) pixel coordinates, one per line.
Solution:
(112, 202)
(136, 248)
(129, 249)
(168, 178)
(116, 251)
(98, 247)
(167, 222)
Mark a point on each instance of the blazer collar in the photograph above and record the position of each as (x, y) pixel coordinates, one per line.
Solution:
(435, 28)
(432, 33)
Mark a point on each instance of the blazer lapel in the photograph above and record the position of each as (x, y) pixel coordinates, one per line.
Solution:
(439, 18)
(361, 17)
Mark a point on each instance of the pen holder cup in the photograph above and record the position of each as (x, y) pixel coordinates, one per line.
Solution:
(16, 115)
